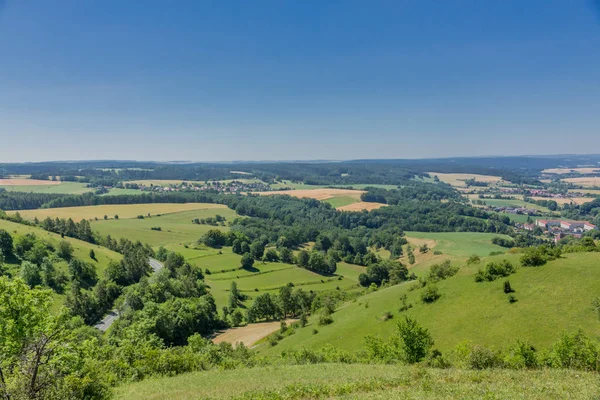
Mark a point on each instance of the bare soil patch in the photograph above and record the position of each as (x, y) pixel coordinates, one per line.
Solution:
(360, 206)
(249, 334)
(26, 182)
(317, 194)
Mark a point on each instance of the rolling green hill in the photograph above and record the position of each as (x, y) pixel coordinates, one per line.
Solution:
(551, 299)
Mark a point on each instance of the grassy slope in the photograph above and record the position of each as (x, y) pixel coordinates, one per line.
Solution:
(62, 188)
(341, 381)
(81, 249)
(552, 298)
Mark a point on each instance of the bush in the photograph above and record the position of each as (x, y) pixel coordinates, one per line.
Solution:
(521, 355)
(512, 299)
(538, 256)
(474, 259)
(483, 358)
(439, 272)
(325, 319)
(507, 288)
(414, 339)
(494, 270)
(387, 316)
(574, 351)
(430, 294)
(437, 360)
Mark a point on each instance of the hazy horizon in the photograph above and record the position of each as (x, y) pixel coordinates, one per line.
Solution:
(280, 81)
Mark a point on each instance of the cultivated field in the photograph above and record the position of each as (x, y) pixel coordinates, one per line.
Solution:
(458, 180)
(561, 171)
(26, 182)
(358, 381)
(360, 206)
(576, 200)
(318, 194)
(508, 203)
(583, 181)
(124, 211)
(595, 192)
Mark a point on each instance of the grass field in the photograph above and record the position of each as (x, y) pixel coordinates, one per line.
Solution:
(341, 201)
(595, 192)
(569, 200)
(355, 381)
(176, 227)
(124, 211)
(461, 244)
(267, 277)
(303, 186)
(119, 192)
(553, 298)
(57, 187)
(458, 180)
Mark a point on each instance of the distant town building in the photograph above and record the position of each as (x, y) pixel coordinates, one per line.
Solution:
(565, 226)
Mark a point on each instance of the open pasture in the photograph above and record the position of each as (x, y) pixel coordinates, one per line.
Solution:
(458, 180)
(459, 244)
(41, 186)
(175, 228)
(509, 203)
(592, 181)
(593, 192)
(124, 211)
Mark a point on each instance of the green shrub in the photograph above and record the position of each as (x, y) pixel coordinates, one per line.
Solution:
(483, 358)
(512, 298)
(537, 256)
(521, 355)
(494, 270)
(439, 272)
(430, 294)
(575, 351)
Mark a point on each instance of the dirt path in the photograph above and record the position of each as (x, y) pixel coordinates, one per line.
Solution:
(249, 334)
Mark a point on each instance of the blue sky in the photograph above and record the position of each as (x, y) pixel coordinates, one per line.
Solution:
(275, 80)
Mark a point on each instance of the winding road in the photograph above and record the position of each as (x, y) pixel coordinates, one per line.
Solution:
(112, 316)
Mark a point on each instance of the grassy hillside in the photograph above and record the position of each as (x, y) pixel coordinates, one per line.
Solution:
(551, 299)
(342, 381)
(81, 249)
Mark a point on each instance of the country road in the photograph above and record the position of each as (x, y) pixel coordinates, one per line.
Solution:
(112, 316)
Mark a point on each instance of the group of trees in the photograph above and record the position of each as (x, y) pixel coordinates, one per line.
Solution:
(384, 271)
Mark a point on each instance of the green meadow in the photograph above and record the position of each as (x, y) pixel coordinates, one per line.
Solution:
(461, 244)
(62, 188)
(175, 228)
(553, 298)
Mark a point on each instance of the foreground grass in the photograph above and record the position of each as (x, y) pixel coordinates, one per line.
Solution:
(343, 381)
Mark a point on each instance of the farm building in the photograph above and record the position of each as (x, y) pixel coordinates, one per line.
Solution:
(565, 226)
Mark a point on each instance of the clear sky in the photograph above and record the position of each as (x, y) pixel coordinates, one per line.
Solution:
(310, 79)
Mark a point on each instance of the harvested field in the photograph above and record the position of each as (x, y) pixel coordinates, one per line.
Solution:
(249, 334)
(560, 171)
(363, 205)
(584, 181)
(26, 182)
(458, 180)
(122, 210)
(317, 194)
(569, 200)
